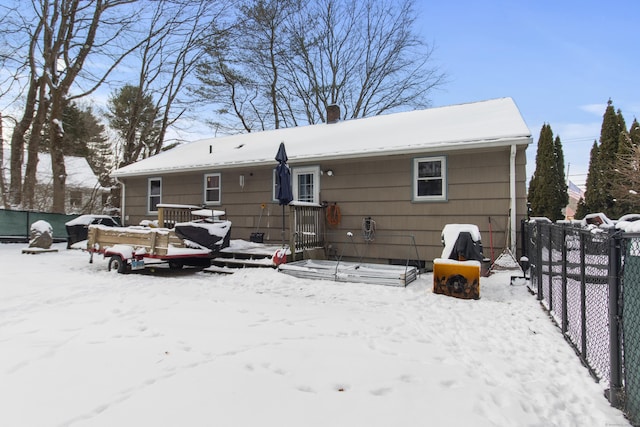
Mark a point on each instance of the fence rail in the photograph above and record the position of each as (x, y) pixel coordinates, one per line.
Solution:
(589, 282)
(307, 227)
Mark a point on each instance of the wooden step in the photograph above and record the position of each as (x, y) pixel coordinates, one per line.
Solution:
(242, 262)
(219, 270)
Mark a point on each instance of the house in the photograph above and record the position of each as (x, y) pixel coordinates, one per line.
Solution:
(84, 194)
(379, 188)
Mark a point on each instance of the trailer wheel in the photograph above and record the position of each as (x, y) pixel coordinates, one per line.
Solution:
(118, 264)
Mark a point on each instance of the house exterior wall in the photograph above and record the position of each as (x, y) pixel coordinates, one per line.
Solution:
(380, 188)
(78, 200)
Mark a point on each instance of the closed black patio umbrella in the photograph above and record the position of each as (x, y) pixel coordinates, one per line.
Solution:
(284, 192)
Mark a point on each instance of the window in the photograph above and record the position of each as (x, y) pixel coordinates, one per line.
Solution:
(75, 199)
(212, 189)
(154, 192)
(306, 185)
(429, 179)
(305, 182)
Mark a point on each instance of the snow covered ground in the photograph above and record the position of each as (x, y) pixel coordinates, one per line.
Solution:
(80, 346)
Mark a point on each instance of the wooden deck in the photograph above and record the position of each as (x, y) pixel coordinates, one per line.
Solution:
(243, 254)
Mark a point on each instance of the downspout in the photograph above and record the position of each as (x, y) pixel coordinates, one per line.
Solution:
(122, 199)
(512, 191)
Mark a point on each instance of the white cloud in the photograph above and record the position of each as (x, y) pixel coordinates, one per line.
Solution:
(597, 109)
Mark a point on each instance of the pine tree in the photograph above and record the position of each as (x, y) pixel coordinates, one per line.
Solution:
(604, 176)
(547, 189)
(561, 196)
(634, 133)
(607, 159)
(133, 116)
(592, 197)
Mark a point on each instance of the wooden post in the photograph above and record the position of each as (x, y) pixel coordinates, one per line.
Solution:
(160, 217)
(154, 238)
(292, 232)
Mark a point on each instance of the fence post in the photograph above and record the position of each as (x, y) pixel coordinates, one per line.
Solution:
(539, 260)
(583, 294)
(28, 227)
(565, 308)
(615, 379)
(550, 268)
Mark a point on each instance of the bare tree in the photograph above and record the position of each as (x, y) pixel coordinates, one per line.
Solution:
(34, 84)
(289, 60)
(70, 38)
(626, 185)
(242, 74)
(175, 40)
(59, 37)
(363, 56)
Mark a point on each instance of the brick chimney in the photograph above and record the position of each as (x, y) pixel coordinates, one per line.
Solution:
(333, 113)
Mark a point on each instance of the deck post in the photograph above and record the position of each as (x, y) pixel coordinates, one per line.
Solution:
(160, 216)
(292, 231)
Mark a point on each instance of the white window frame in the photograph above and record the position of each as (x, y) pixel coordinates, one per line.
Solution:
(149, 195)
(295, 180)
(443, 176)
(219, 188)
(295, 176)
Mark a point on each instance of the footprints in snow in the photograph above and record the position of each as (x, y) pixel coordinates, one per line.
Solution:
(336, 387)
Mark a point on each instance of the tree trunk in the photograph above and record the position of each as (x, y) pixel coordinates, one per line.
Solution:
(3, 189)
(58, 170)
(17, 144)
(30, 180)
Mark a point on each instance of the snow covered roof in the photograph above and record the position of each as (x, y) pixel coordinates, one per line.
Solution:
(495, 122)
(79, 173)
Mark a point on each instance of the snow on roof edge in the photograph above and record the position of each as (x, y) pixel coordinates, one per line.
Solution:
(522, 140)
(491, 123)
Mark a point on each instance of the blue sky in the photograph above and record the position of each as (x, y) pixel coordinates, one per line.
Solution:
(559, 60)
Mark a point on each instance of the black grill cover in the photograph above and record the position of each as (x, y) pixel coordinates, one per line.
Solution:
(466, 249)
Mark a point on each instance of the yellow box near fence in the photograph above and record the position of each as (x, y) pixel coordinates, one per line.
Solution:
(460, 279)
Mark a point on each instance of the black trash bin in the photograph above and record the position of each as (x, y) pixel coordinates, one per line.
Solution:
(78, 228)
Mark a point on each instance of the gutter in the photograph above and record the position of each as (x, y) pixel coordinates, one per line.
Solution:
(123, 192)
(512, 193)
(293, 160)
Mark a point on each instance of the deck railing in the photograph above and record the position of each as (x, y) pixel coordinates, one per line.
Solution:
(169, 215)
(306, 222)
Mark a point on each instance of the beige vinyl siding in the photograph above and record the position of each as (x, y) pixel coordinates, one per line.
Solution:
(478, 188)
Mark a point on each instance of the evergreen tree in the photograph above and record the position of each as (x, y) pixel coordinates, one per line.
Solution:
(593, 197)
(609, 139)
(582, 209)
(605, 180)
(133, 115)
(81, 130)
(548, 190)
(634, 133)
(561, 196)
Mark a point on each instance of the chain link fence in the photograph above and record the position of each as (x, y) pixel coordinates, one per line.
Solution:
(630, 298)
(589, 282)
